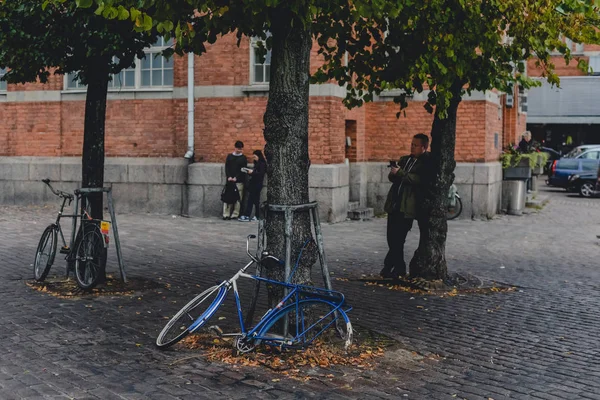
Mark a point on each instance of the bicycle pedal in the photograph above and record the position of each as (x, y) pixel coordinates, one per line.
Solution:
(65, 250)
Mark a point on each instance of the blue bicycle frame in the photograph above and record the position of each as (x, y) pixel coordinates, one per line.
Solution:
(296, 296)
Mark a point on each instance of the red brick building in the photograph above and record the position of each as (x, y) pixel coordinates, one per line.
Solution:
(147, 136)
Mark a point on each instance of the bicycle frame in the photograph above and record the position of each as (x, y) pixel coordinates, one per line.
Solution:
(75, 217)
(295, 293)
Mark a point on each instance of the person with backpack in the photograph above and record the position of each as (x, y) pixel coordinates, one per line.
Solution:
(235, 177)
(257, 176)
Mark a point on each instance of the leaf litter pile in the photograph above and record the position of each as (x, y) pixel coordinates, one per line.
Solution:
(66, 288)
(456, 284)
(322, 354)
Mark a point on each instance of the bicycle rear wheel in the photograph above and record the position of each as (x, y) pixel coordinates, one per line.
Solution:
(454, 212)
(193, 316)
(90, 259)
(44, 255)
(306, 321)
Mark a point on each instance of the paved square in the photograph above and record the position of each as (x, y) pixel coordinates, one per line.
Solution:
(539, 342)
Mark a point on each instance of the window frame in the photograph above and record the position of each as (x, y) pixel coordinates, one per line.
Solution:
(137, 86)
(3, 84)
(253, 45)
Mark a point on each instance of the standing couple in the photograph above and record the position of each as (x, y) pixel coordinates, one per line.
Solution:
(236, 169)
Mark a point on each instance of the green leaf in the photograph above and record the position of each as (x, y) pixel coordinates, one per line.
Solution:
(134, 14)
(123, 14)
(147, 22)
(84, 3)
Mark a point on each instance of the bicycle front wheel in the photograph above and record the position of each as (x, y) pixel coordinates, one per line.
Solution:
(306, 321)
(454, 212)
(193, 316)
(44, 255)
(90, 259)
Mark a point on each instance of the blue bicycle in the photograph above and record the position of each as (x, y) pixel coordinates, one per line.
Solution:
(303, 314)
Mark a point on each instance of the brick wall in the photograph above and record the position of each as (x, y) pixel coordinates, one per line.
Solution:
(560, 66)
(493, 128)
(514, 124)
(30, 129)
(389, 137)
(158, 128)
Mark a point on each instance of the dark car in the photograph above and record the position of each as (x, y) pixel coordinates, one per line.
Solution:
(584, 183)
(564, 168)
(553, 155)
(587, 184)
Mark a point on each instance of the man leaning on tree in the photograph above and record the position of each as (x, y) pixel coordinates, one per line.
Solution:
(402, 203)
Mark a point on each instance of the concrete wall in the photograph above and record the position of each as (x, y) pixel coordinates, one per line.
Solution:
(328, 184)
(152, 185)
(156, 185)
(479, 186)
(171, 186)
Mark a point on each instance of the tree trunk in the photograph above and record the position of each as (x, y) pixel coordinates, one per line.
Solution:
(429, 260)
(286, 135)
(92, 161)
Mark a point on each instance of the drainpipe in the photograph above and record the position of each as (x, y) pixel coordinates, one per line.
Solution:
(190, 108)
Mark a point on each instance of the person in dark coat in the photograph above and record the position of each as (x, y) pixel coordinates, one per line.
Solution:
(403, 203)
(257, 176)
(233, 170)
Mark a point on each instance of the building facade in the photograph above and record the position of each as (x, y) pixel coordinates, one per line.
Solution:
(41, 135)
(569, 115)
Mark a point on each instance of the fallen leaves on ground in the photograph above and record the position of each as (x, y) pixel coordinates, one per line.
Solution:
(290, 363)
(418, 286)
(66, 288)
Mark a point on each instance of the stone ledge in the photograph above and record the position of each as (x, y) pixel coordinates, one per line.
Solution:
(328, 175)
(116, 169)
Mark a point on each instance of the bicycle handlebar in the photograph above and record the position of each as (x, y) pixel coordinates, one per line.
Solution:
(248, 247)
(265, 255)
(58, 193)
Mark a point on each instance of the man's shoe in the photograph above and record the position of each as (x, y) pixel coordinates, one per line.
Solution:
(254, 219)
(396, 274)
(226, 218)
(386, 273)
(243, 218)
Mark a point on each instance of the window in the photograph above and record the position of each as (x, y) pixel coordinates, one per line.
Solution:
(152, 71)
(260, 72)
(2, 83)
(594, 65)
(157, 70)
(590, 155)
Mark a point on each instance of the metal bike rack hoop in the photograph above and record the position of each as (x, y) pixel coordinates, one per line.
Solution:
(113, 220)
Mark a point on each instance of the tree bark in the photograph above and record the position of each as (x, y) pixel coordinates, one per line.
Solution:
(429, 260)
(286, 149)
(92, 161)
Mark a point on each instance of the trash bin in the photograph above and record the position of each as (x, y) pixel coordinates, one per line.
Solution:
(513, 196)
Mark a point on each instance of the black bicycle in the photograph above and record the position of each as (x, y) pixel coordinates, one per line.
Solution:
(87, 250)
(455, 205)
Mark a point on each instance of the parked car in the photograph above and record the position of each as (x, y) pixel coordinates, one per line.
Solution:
(583, 183)
(564, 168)
(579, 150)
(585, 152)
(554, 155)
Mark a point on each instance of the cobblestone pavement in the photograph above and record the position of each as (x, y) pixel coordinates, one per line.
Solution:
(540, 342)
